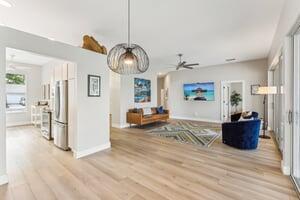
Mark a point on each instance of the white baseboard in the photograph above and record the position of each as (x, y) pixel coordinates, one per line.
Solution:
(196, 119)
(81, 154)
(116, 125)
(3, 179)
(18, 124)
(286, 170)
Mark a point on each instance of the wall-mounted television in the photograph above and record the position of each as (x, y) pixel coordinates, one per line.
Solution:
(199, 91)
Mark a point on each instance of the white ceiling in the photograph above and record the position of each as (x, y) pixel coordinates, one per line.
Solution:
(26, 57)
(206, 31)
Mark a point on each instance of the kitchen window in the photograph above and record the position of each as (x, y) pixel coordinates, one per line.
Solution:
(15, 92)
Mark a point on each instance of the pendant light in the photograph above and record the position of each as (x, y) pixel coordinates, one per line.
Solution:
(128, 58)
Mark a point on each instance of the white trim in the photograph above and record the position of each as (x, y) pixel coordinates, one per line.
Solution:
(90, 151)
(25, 123)
(295, 162)
(196, 119)
(116, 125)
(3, 179)
(243, 95)
(286, 170)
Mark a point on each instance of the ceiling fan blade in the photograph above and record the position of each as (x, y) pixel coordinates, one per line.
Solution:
(190, 65)
(187, 67)
(178, 67)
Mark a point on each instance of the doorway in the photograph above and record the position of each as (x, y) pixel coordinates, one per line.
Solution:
(31, 97)
(161, 91)
(232, 98)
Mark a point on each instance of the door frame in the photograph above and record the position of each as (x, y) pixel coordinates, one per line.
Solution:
(223, 83)
(295, 143)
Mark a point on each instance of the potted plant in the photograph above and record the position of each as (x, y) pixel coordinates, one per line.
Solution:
(235, 99)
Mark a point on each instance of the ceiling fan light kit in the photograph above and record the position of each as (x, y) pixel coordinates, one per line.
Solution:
(128, 58)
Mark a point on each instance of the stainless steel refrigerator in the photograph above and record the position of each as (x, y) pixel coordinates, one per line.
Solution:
(60, 123)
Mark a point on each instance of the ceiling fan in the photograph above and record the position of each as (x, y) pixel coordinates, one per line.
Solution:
(184, 64)
(11, 66)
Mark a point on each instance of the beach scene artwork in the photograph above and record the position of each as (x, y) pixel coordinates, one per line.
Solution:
(199, 91)
(142, 90)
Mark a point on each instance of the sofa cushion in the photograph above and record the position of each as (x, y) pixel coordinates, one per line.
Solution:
(147, 111)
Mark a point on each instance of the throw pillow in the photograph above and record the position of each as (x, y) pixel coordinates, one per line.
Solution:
(160, 110)
(147, 111)
(247, 114)
(245, 119)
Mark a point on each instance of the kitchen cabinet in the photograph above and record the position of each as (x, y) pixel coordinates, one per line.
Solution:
(58, 73)
(71, 71)
(66, 71)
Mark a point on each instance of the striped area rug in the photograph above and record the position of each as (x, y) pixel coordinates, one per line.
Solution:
(188, 132)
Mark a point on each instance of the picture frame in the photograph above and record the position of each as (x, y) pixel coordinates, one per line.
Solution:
(254, 89)
(142, 90)
(94, 86)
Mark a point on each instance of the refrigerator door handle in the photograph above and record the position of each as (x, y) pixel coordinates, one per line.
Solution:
(57, 101)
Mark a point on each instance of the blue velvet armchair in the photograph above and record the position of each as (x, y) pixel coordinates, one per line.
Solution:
(241, 134)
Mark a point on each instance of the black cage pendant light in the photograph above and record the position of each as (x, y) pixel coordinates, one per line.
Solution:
(128, 58)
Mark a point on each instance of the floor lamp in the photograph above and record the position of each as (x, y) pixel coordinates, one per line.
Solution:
(266, 91)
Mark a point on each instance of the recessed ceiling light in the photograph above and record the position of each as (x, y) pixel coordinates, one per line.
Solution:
(230, 59)
(5, 3)
(52, 39)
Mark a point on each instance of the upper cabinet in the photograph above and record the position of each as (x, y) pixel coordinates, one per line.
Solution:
(66, 71)
(71, 71)
(58, 73)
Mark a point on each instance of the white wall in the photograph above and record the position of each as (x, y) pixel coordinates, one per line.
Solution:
(289, 16)
(34, 90)
(127, 93)
(115, 100)
(252, 72)
(92, 113)
(160, 86)
(122, 94)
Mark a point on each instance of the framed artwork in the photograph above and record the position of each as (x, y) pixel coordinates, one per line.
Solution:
(142, 90)
(254, 89)
(199, 91)
(94, 86)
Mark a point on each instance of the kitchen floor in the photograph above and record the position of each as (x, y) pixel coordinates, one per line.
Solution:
(140, 166)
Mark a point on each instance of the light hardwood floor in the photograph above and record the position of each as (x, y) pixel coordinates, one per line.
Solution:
(142, 167)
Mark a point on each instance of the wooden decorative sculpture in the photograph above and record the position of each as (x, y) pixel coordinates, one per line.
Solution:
(90, 43)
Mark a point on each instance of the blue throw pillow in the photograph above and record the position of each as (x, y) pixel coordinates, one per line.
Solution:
(160, 110)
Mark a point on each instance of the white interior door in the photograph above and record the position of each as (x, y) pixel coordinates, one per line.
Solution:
(226, 102)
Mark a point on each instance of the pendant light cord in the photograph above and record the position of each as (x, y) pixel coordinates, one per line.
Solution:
(129, 42)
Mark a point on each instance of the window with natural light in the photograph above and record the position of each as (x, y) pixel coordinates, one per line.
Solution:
(15, 92)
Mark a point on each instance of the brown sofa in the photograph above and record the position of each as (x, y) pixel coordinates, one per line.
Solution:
(136, 116)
